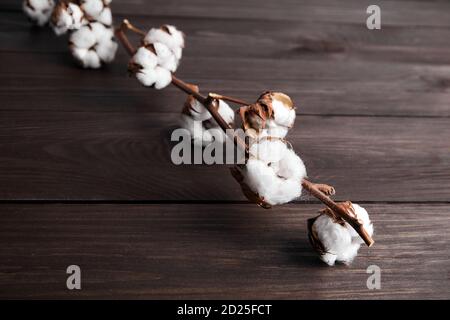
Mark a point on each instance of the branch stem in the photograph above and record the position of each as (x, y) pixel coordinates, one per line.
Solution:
(230, 99)
(339, 210)
(211, 104)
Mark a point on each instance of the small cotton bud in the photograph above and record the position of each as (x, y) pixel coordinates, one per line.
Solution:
(273, 172)
(39, 11)
(93, 45)
(67, 16)
(333, 238)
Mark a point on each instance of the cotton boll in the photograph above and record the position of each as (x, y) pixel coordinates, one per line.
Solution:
(144, 64)
(178, 52)
(167, 35)
(92, 7)
(268, 150)
(163, 78)
(145, 58)
(146, 76)
(93, 44)
(97, 10)
(84, 37)
(264, 181)
(39, 11)
(67, 16)
(166, 58)
(274, 130)
(283, 111)
(291, 166)
(273, 172)
(363, 216)
(169, 43)
(87, 58)
(333, 238)
(106, 50)
(166, 44)
(282, 114)
(105, 17)
(336, 240)
(196, 116)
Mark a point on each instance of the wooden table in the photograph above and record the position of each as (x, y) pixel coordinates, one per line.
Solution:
(86, 176)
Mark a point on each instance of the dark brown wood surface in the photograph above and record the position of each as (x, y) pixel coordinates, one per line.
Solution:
(86, 177)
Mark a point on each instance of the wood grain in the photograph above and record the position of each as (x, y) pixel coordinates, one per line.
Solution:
(413, 12)
(86, 176)
(125, 156)
(214, 251)
(393, 72)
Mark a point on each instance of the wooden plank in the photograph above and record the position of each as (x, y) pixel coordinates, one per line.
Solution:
(126, 156)
(419, 13)
(318, 87)
(214, 251)
(251, 38)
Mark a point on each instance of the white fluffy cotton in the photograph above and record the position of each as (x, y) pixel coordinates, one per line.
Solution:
(283, 113)
(340, 242)
(274, 171)
(67, 16)
(272, 115)
(93, 44)
(168, 35)
(97, 10)
(159, 57)
(203, 128)
(39, 11)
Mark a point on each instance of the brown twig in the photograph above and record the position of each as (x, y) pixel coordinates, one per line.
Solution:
(130, 27)
(211, 104)
(120, 34)
(339, 210)
(228, 98)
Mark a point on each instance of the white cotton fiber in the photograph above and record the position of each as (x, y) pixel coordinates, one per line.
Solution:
(274, 172)
(39, 11)
(166, 43)
(97, 10)
(340, 241)
(272, 115)
(167, 35)
(93, 44)
(203, 128)
(67, 16)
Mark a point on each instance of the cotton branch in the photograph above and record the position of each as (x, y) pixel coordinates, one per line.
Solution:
(210, 102)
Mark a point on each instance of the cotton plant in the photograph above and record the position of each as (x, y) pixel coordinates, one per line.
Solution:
(333, 238)
(272, 174)
(38, 11)
(88, 22)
